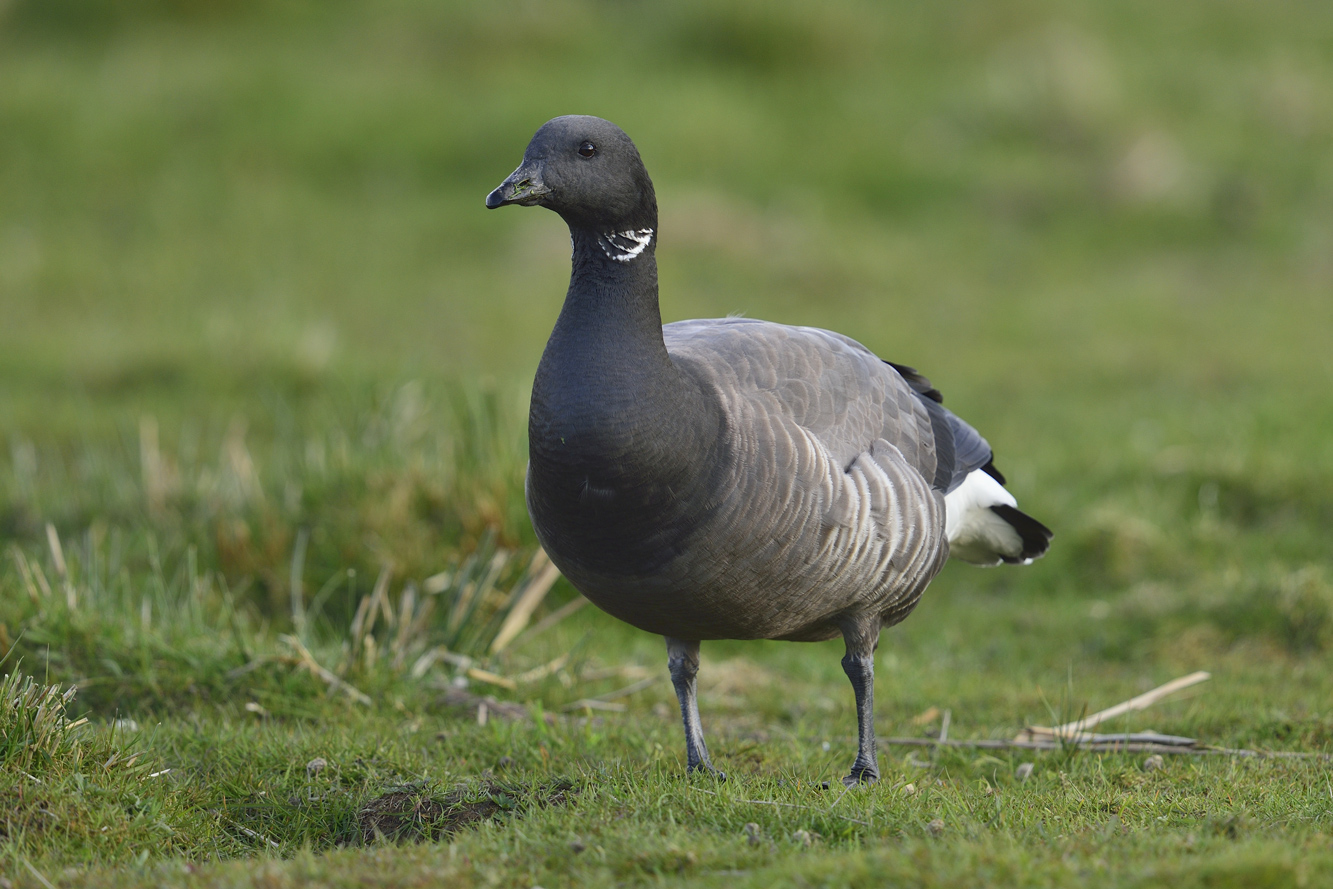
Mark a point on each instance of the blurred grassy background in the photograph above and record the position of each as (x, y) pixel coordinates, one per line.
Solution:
(219, 194)
(248, 291)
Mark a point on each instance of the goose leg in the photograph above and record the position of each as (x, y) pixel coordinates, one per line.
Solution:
(859, 665)
(683, 661)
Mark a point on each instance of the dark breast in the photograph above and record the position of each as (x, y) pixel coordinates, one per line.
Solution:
(613, 494)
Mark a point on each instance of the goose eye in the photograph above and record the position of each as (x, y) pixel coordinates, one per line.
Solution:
(587, 149)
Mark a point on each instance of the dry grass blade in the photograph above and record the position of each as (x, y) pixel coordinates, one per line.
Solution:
(473, 592)
(536, 674)
(379, 597)
(152, 466)
(62, 570)
(491, 678)
(308, 661)
(254, 835)
(629, 689)
(42, 583)
(929, 715)
(368, 612)
(460, 617)
(433, 656)
(57, 551)
(552, 619)
(543, 574)
(297, 583)
(25, 571)
(633, 672)
(413, 617)
(38, 874)
(437, 583)
(34, 726)
(594, 704)
(604, 702)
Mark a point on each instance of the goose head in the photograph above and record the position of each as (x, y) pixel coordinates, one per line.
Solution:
(587, 170)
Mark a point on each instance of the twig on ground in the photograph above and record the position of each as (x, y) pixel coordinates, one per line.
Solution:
(1074, 731)
(1110, 746)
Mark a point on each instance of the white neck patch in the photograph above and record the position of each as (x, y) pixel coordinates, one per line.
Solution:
(624, 246)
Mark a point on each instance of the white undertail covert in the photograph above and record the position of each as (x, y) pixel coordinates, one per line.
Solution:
(976, 533)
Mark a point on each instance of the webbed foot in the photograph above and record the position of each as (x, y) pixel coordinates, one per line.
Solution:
(861, 775)
(706, 770)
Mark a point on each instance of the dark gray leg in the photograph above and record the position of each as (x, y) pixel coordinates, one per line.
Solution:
(862, 637)
(683, 661)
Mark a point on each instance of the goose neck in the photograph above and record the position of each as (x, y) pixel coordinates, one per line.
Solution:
(611, 311)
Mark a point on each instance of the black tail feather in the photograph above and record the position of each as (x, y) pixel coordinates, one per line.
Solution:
(1036, 536)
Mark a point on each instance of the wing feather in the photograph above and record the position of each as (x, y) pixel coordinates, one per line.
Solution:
(826, 383)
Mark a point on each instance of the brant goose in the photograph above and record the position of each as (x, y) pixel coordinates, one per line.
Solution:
(734, 478)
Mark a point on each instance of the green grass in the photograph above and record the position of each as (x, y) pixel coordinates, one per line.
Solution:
(257, 333)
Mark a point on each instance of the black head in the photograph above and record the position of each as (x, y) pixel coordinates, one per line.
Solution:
(587, 170)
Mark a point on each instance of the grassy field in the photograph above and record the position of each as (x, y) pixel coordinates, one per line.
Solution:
(263, 358)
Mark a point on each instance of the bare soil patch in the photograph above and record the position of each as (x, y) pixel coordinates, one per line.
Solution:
(418, 814)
